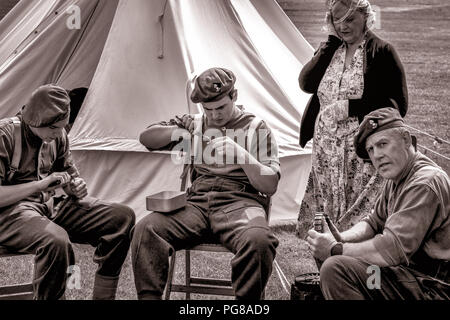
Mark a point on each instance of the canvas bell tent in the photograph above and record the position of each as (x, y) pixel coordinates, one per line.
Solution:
(136, 57)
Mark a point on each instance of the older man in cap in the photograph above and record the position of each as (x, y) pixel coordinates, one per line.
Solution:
(35, 160)
(227, 200)
(401, 250)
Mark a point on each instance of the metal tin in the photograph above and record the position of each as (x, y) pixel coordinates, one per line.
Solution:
(166, 201)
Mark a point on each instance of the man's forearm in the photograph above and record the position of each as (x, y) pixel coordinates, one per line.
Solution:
(365, 251)
(13, 194)
(358, 233)
(261, 177)
(358, 243)
(157, 136)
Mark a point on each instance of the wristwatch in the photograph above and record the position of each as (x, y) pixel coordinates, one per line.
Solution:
(337, 249)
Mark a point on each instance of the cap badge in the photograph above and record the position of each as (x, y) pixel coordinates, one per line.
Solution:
(217, 87)
(373, 124)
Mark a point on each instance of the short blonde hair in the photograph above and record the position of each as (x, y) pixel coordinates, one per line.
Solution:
(362, 6)
(400, 132)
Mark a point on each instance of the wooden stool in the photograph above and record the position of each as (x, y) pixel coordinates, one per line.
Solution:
(22, 291)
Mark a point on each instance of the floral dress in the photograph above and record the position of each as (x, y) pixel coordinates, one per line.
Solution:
(340, 184)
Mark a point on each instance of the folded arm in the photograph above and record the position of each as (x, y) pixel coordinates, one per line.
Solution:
(157, 136)
(358, 243)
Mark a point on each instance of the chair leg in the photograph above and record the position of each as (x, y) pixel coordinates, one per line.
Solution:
(188, 273)
(170, 276)
(194, 284)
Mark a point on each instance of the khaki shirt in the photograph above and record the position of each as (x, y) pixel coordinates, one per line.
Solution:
(38, 160)
(411, 217)
(263, 147)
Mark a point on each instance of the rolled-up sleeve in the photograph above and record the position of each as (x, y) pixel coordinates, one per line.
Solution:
(171, 122)
(378, 216)
(407, 225)
(265, 148)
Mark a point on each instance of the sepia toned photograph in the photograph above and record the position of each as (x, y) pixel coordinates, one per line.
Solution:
(235, 156)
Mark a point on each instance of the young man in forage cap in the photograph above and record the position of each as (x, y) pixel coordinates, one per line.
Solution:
(235, 170)
(35, 160)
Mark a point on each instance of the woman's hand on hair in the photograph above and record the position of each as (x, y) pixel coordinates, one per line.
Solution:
(330, 25)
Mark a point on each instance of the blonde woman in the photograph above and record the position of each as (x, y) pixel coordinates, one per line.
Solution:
(351, 74)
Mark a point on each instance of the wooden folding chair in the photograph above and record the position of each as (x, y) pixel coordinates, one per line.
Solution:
(22, 291)
(202, 285)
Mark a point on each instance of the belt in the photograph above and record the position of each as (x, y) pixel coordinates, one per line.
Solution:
(218, 184)
(439, 269)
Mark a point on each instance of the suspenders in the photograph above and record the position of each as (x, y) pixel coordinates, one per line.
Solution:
(17, 153)
(251, 134)
(15, 161)
(197, 142)
(196, 135)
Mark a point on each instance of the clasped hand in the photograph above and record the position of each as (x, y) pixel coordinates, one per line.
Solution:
(321, 243)
(187, 122)
(336, 111)
(77, 188)
(224, 146)
(72, 186)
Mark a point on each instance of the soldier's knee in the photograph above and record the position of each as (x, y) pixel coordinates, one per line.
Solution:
(260, 240)
(145, 227)
(332, 269)
(57, 240)
(123, 215)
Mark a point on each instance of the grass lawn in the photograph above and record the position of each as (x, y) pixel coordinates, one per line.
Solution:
(292, 256)
(420, 32)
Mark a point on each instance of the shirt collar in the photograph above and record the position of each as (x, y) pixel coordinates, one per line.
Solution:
(406, 169)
